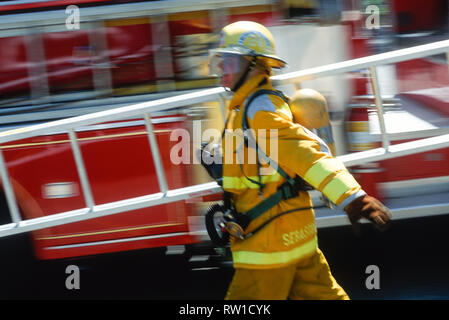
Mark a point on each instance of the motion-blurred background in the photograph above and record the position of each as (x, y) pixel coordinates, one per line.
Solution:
(62, 58)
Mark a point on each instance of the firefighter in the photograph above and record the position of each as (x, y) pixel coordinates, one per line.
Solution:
(282, 259)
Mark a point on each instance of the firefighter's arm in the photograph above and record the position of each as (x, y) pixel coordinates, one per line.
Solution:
(304, 153)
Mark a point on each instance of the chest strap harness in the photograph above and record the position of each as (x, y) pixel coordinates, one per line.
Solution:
(234, 223)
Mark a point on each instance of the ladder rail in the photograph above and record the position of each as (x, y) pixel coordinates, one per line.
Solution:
(395, 151)
(134, 110)
(390, 57)
(107, 209)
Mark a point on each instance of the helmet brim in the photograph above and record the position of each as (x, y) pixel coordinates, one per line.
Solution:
(270, 60)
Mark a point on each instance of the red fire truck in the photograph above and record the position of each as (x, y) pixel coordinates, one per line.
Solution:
(124, 52)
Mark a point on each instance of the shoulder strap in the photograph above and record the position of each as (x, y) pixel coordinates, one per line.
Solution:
(245, 126)
(288, 189)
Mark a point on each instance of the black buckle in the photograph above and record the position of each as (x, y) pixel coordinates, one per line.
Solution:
(287, 191)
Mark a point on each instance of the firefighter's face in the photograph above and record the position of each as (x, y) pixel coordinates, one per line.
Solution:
(230, 68)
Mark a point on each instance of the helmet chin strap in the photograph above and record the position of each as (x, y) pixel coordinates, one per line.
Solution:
(242, 79)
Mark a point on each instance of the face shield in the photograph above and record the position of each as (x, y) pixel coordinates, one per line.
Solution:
(225, 64)
(231, 68)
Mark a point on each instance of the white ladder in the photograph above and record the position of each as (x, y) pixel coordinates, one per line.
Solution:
(145, 109)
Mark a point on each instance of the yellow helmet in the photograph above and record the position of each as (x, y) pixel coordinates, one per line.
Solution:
(247, 38)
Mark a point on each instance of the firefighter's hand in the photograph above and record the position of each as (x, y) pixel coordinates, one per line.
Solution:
(371, 209)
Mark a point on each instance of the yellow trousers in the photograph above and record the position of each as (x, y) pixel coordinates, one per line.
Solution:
(309, 279)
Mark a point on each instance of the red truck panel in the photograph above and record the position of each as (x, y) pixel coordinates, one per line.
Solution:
(415, 16)
(130, 53)
(119, 166)
(420, 74)
(420, 165)
(69, 59)
(13, 66)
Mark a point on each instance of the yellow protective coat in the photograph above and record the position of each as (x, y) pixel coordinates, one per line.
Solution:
(308, 279)
(292, 237)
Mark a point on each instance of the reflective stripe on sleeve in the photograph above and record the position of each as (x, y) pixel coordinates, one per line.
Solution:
(243, 183)
(268, 258)
(322, 169)
(339, 185)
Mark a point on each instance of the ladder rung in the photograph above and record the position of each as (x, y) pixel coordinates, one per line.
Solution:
(9, 192)
(156, 154)
(85, 186)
